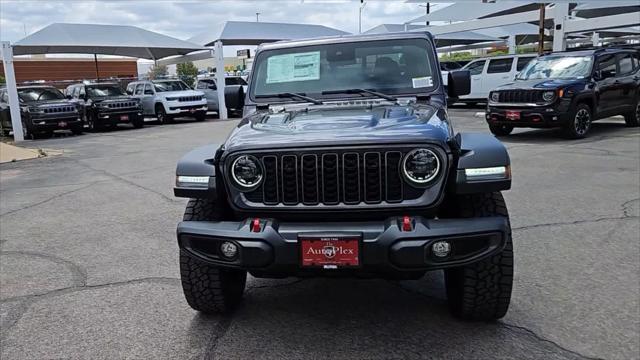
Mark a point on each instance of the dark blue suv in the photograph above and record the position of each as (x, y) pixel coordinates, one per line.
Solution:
(569, 90)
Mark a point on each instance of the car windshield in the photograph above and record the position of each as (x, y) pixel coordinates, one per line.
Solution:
(170, 86)
(39, 94)
(104, 90)
(403, 66)
(557, 67)
(234, 81)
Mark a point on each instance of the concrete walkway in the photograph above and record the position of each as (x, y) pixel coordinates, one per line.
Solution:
(9, 153)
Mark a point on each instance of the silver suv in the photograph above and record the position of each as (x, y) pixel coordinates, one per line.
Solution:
(166, 99)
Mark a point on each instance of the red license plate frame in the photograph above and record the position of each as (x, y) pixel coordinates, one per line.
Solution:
(330, 251)
(124, 117)
(512, 115)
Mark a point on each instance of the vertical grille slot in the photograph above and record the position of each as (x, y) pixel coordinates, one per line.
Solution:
(351, 177)
(289, 180)
(309, 165)
(330, 193)
(372, 178)
(393, 181)
(270, 186)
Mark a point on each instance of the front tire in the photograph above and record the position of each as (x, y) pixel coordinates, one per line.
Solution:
(162, 116)
(200, 115)
(501, 130)
(481, 291)
(208, 288)
(632, 119)
(580, 122)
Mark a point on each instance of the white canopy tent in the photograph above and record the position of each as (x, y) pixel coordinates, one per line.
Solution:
(247, 33)
(86, 39)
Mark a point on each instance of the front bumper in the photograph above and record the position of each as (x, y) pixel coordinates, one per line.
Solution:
(51, 123)
(554, 115)
(119, 117)
(384, 247)
(186, 108)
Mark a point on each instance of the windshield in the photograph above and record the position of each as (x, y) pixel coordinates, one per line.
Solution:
(170, 86)
(389, 66)
(234, 81)
(39, 94)
(104, 90)
(557, 67)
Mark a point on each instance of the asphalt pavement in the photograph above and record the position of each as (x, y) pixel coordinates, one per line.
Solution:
(89, 262)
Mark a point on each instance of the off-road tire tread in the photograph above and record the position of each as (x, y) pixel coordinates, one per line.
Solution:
(499, 130)
(482, 291)
(208, 288)
(631, 119)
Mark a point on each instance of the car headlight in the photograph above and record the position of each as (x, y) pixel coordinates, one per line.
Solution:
(172, 99)
(548, 96)
(495, 97)
(420, 166)
(246, 171)
(35, 110)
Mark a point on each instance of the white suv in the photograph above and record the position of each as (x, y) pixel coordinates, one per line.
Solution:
(166, 99)
(492, 72)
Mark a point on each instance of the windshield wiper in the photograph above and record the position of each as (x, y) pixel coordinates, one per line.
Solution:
(292, 95)
(361, 91)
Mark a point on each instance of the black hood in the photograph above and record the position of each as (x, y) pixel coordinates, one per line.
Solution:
(49, 103)
(112, 98)
(539, 84)
(328, 125)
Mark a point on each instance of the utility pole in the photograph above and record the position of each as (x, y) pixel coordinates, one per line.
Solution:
(257, 17)
(541, 29)
(428, 10)
(362, 5)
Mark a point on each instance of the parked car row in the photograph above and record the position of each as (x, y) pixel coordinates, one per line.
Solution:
(103, 105)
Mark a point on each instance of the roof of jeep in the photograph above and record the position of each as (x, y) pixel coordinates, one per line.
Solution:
(345, 39)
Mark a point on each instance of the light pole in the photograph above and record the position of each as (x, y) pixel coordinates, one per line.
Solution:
(362, 5)
(257, 17)
(428, 10)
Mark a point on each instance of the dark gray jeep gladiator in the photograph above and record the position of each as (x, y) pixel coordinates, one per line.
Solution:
(346, 164)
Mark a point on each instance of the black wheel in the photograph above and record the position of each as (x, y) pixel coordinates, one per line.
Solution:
(482, 290)
(138, 122)
(77, 130)
(162, 116)
(200, 115)
(580, 122)
(93, 123)
(208, 288)
(501, 130)
(632, 119)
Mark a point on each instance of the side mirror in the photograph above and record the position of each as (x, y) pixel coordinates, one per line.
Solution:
(213, 87)
(148, 92)
(597, 75)
(69, 97)
(459, 83)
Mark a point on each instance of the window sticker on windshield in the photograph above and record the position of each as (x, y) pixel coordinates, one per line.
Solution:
(293, 67)
(420, 82)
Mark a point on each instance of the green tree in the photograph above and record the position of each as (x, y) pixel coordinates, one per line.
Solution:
(187, 72)
(157, 71)
(457, 56)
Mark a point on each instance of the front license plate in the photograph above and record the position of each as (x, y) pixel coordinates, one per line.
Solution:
(124, 117)
(330, 251)
(192, 110)
(62, 124)
(513, 115)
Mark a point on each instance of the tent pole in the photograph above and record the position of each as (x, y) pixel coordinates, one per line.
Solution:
(12, 91)
(220, 82)
(95, 59)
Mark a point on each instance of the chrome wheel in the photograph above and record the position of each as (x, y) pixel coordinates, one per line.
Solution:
(582, 122)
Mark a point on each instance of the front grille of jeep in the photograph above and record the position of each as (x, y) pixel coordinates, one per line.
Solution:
(122, 104)
(520, 96)
(350, 177)
(59, 109)
(189, 98)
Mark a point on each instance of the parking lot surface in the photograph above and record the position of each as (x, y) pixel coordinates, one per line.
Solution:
(89, 262)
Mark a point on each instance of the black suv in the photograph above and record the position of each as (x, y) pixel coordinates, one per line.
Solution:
(569, 90)
(346, 164)
(106, 105)
(43, 109)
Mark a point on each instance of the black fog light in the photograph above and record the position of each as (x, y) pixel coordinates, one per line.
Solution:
(441, 249)
(228, 249)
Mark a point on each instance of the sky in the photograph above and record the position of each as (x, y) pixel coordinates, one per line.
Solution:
(183, 19)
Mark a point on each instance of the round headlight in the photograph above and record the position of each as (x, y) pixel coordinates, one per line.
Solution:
(548, 96)
(246, 171)
(420, 166)
(495, 97)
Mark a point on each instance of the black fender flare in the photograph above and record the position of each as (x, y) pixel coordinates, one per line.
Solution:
(199, 162)
(478, 151)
